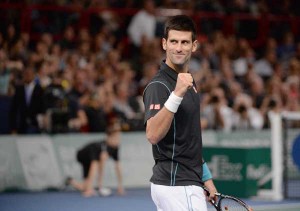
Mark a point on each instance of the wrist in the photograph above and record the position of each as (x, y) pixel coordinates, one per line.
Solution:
(173, 102)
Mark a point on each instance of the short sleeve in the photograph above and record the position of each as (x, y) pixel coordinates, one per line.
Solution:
(155, 96)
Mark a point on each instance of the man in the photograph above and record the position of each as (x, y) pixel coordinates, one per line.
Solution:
(143, 24)
(27, 106)
(172, 118)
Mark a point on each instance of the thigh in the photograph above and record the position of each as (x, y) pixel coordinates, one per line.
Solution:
(178, 198)
(197, 198)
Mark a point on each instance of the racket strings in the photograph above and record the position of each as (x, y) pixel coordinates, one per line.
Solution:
(231, 205)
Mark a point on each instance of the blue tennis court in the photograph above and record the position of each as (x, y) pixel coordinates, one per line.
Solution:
(134, 200)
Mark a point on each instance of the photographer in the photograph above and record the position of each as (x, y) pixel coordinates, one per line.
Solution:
(245, 116)
(216, 113)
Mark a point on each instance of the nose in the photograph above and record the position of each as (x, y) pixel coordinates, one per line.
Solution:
(178, 47)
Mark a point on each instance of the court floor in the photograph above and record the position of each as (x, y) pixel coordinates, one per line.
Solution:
(134, 200)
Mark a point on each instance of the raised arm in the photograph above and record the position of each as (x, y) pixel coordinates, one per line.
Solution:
(158, 125)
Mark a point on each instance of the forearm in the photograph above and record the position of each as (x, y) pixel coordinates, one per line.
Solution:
(158, 126)
(208, 181)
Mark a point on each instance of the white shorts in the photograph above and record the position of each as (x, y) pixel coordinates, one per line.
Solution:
(178, 198)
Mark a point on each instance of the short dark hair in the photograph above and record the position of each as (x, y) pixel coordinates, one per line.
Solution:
(180, 23)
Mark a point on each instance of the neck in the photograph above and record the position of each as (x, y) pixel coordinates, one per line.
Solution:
(178, 68)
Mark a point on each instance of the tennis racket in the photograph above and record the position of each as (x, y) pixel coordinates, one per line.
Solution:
(229, 203)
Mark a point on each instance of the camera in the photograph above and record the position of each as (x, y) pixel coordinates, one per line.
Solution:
(214, 99)
(242, 108)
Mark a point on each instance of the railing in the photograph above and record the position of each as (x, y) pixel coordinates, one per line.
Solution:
(35, 19)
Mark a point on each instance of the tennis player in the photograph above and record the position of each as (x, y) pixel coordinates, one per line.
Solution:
(172, 119)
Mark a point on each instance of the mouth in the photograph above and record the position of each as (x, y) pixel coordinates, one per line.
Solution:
(179, 55)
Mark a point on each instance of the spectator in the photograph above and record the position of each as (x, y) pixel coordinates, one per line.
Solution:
(7, 70)
(256, 91)
(56, 106)
(293, 93)
(270, 104)
(264, 66)
(243, 63)
(43, 73)
(27, 106)
(95, 110)
(78, 97)
(133, 119)
(143, 24)
(287, 49)
(245, 116)
(68, 41)
(216, 113)
(11, 36)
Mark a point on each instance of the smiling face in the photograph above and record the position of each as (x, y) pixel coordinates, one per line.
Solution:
(179, 47)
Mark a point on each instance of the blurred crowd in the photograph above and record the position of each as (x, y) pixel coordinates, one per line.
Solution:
(75, 83)
(276, 7)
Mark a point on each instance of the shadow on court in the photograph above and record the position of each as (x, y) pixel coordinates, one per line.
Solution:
(134, 200)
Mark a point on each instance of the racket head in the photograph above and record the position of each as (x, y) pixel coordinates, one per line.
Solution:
(230, 203)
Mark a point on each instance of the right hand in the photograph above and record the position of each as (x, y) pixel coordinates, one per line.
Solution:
(184, 82)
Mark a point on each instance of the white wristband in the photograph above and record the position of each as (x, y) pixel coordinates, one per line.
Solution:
(173, 102)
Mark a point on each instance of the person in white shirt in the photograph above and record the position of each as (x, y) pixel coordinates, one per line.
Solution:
(246, 116)
(143, 24)
(217, 113)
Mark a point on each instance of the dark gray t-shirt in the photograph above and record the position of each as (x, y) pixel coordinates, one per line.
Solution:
(178, 156)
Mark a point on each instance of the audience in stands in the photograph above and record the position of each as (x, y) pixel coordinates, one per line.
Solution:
(84, 70)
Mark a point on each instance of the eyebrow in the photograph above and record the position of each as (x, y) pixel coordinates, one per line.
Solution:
(171, 40)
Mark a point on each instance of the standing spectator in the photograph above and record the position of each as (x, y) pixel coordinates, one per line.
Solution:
(143, 24)
(27, 105)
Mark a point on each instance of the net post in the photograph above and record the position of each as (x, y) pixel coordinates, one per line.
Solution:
(276, 155)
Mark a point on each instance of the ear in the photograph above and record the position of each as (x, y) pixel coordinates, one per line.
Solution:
(195, 46)
(164, 44)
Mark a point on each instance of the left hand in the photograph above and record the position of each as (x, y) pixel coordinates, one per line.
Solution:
(212, 190)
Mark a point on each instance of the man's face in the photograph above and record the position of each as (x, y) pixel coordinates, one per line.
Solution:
(179, 48)
(28, 75)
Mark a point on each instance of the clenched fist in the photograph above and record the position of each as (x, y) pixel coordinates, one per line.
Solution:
(184, 82)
